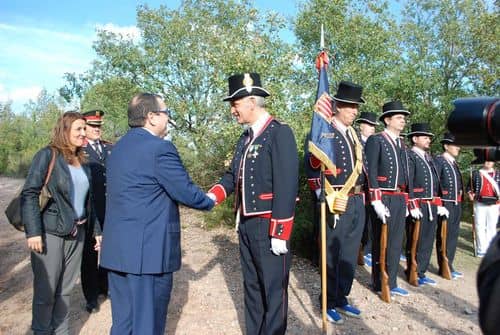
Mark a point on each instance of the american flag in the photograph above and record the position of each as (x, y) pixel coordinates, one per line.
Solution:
(320, 143)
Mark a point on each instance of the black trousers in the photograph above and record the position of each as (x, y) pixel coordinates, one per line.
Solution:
(366, 239)
(94, 279)
(425, 239)
(342, 245)
(453, 228)
(265, 279)
(395, 231)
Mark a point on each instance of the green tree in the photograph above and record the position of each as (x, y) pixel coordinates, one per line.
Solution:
(450, 51)
(112, 96)
(26, 133)
(187, 55)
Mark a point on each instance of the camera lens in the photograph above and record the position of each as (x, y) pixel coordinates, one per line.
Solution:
(476, 122)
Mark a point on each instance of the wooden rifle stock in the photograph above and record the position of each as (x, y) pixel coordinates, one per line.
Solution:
(445, 267)
(384, 277)
(412, 272)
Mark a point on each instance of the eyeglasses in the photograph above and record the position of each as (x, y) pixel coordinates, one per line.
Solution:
(165, 111)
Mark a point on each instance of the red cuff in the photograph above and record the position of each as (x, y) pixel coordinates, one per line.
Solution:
(314, 183)
(413, 204)
(314, 162)
(438, 201)
(219, 192)
(375, 194)
(281, 228)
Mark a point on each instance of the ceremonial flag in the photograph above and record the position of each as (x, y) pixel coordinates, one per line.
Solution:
(320, 143)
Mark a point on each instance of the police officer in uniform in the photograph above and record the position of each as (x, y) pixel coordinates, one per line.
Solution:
(94, 279)
(367, 122)
(263, 175)
(387, 171)
(426, 200)
(344, 231)
(452, 192)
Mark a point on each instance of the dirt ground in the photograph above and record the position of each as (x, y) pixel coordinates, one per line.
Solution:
(208, 298)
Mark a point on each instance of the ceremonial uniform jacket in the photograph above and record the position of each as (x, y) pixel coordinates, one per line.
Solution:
(264, 177)
(450, 179)
(424, 177)
(344, 160)
(97, 164)
(476, 185)
(387, 166)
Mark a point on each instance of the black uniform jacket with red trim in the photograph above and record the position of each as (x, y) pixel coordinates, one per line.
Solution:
(424, 176)
(97, 164)
(266, 171)
(476, 184)
(450, 179)
(386, 166)
(344, 159)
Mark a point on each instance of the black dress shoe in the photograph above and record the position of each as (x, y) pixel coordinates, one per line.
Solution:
(91, 306)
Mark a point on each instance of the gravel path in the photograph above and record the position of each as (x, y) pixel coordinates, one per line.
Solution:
(207, 297)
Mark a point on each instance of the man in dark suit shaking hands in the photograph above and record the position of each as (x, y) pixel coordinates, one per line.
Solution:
(146, 182)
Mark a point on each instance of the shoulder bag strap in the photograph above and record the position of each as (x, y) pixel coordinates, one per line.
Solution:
(51, 165)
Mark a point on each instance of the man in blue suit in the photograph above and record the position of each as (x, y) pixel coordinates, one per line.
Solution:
(146, 181)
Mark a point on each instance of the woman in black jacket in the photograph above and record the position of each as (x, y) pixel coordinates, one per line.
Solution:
(55, 236)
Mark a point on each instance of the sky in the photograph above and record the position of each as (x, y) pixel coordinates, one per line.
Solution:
(42, 40)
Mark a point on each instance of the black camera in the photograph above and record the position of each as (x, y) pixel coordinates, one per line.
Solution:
(475, 122)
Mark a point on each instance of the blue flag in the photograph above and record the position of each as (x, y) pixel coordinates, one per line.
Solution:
(320, 143)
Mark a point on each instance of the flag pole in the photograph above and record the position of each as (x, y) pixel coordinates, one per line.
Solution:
(322, 200)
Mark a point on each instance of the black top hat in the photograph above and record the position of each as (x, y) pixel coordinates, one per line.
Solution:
(367, 117)
(392, 107)
(420, 129)
(94, 117)
(243, 85)
(349, 92)
(448, 138)
(486, 154)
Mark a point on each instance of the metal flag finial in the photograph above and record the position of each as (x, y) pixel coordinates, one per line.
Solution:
(322, 43)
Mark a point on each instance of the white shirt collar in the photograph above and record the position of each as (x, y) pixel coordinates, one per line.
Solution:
(419, 151)
(149, 131)
(392, 136)
(91, 142)
(364, 138)
(340, 126)
(449, 157)
(260, 123)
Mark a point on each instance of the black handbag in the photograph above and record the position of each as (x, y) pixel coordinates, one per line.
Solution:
(13, 211)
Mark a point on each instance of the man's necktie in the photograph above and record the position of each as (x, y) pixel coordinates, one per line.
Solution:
(398, 144)
(97, 149)
(248, 134)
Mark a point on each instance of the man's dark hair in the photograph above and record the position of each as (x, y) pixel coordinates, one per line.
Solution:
(139, 107)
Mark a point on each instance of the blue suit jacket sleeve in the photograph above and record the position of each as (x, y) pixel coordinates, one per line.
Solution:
(173, 177)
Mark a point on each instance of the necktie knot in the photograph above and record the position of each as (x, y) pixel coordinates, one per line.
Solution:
(97, 148)
(249, 133)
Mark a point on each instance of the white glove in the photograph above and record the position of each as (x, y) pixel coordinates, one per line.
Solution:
(442, 211)
(278, 247)
(318, 192)
(416, 213)
(407, 212)
(381, 210)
